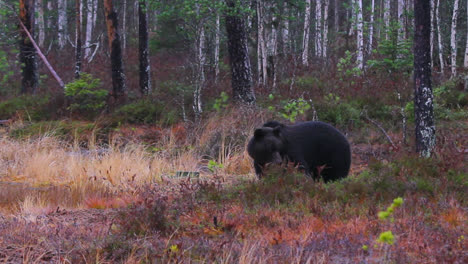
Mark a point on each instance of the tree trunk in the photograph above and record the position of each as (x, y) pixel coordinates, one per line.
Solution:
(305, 39)
(326, 4)
(62, 23)
(89, 26)
(465, 63)
(401, 20)
(318, 28)
(439, 38)
(432, 32)
(453, 39)
(423, 97)
(27, 55)
(124, 24)
(352, 17)
(261, 48)
(239, 56)
(272, 44)
(78, 8)
(115, 46)
(371, 29)
(360, 35)
(145, 81)
(285, 31)
(40, 22)
(386, 18)
(337, 15)
(217, 45)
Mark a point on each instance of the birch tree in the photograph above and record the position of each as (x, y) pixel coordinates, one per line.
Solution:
(401, 20)
(453, 39)
(115, 47)
(305, 39)
(423, 97)
(239, 56)
(261, 46)
(432, 32)
(40, 22)
(285, 29)
(62, 23)
(27, 54)
(352, 16)
(145, 80)
(78, 8)
(201, 61)
(439, 38)
(360, 36)
(91, 12)
(371, 28)
(318, 28)
(386, 18)
(326, 4)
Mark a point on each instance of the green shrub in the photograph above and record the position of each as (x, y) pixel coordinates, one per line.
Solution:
(31, 107)
(85, 95)
(333, 110)
(145, 111)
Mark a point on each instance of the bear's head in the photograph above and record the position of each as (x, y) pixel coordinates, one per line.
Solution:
(266, 145)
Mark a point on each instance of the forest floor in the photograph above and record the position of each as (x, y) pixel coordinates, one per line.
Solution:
(62, 204)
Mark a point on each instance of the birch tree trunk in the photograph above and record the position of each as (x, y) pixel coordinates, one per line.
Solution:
(272, 44)
(145, 70)
(353, 17)
(439, 38)
(62, 23)
(453, 39)
(465, 63)
(261, 48)
(89, 27)
(401, 20)
(326, 4)
(40, 22)
(305, 39)
(78, 8)
(200, 83)
(115, 47)
(27, 54)
(423, 97)
(318, 28)
(217, 45)
(239, 56)
(360, 35)
(432, 32)
(386, 18)
(285, 31)
(371, 28)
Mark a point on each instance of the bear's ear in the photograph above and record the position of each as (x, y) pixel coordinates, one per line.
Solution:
(259, 132)
(277, 130)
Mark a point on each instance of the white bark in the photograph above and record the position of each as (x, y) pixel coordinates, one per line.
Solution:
(453, 39)
(89, 27)
(285, 29)
(217, 43)
(62, 23)
(197, 102)
(386, 17)
(401, 20)
(360, 37)
(40, 22)
(326, 4)
(353, 17)
(439, 38)
(318, 28)
(371, 28)
(305, 39)
(261, 46)
(465, 63)
(432, 32)
(50, 8)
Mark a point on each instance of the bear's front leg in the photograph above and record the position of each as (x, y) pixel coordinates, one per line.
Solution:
(258, 169)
